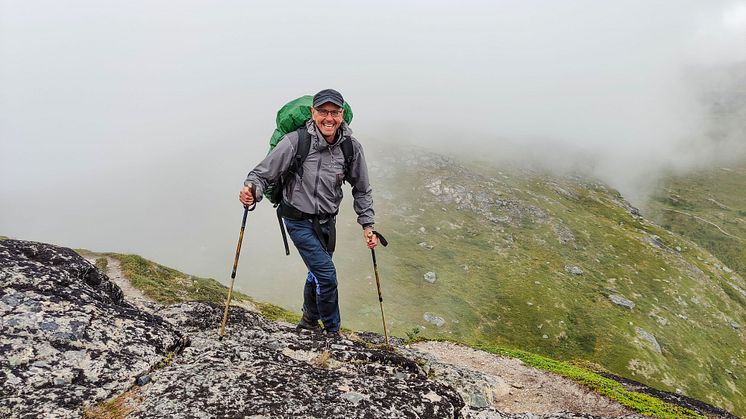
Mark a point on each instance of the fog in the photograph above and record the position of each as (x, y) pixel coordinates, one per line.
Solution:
(129, 126)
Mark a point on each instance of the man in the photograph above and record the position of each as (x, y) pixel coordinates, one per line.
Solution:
(311, 198)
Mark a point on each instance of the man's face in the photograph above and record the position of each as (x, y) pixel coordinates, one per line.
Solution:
(325, 120)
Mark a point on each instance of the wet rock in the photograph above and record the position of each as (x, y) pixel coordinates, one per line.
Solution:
(621, 301)
(430, 277)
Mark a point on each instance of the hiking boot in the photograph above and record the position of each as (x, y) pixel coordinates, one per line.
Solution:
(308, 324)
(332, 334)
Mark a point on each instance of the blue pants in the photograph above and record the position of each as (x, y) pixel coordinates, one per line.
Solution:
(320, 297)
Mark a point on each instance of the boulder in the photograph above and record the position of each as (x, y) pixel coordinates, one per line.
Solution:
(68, 337)
(571, 269)
(621, 301)
(431, 318)
(430, 277)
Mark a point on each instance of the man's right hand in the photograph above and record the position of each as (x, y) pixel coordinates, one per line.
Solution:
(246, 196)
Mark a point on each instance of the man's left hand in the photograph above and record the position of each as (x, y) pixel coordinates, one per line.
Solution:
(370, 239)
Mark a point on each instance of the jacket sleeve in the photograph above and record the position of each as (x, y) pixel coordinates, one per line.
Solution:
(273, 166)
(362, 193)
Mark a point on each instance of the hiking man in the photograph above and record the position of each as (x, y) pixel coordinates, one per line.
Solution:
(311, 197)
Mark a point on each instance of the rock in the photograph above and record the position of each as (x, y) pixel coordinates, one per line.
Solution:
(142, 380)
(573, 270)
(647, 336)
(68, 336)
(735, 325)
(430, 277)
(477, 389)
(248, 375)
(431, 318)
(621, 301)
(353, 397)
(654, 241)
(425, 245)
(564, 235)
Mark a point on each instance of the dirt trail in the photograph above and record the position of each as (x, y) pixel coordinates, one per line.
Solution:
(530, 390)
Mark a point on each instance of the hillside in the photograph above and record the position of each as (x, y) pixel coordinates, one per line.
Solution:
(82, 341)
(560, 266)
(709, 207)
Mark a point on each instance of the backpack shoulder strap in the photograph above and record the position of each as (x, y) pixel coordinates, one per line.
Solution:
(348, 150)
(304, 146)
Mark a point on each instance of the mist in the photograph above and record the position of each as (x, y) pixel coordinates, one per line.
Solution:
(130, 126)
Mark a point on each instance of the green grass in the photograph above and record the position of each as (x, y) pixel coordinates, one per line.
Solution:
(169, 286)
(708, 207)
(515, 291)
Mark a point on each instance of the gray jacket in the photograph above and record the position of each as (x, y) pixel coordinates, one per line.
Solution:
(320, 189)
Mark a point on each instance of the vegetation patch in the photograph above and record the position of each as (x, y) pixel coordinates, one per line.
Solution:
(115, 408)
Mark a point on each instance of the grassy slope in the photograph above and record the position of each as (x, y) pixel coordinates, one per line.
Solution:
(505, 283)
(709, 207)
(168, 286)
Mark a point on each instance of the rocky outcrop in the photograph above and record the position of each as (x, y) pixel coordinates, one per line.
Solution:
(68, 337)
(268, 369)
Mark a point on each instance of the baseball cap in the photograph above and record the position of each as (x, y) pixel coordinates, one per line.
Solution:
(328, 96)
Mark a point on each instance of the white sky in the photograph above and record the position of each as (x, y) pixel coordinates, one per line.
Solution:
(129, 126)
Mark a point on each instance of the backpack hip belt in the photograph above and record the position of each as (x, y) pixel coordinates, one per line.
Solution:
(285, 210)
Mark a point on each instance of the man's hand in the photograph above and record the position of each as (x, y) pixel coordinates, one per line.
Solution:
(370, 239)
(246, 196)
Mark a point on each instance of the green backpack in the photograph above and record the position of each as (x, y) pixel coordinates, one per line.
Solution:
(293, 117)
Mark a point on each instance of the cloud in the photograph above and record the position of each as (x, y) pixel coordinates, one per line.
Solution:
(130, 125)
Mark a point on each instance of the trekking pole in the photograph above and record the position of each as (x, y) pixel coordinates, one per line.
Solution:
(246, 210)
(378, 283)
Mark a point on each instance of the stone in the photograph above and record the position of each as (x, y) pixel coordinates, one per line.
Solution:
(431, 318)
(649, 337)
(573, 270)
(69, 338)
(430, 277)
(142, 380)
(353, 397)
(621, 301)
(425, 245)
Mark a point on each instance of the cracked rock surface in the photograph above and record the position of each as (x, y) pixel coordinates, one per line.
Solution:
(268, 369)
(68, 338)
